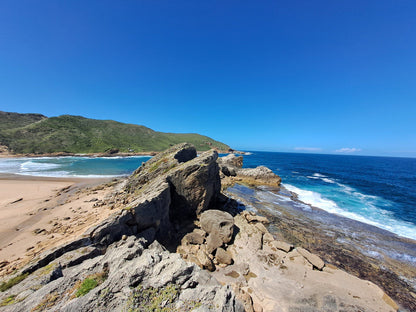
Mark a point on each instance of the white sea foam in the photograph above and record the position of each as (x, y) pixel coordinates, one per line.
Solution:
(327, 180)
(313, 198)
(367, 213)
(37, 166)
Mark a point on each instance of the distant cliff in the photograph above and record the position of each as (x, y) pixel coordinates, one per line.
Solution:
(35, 133)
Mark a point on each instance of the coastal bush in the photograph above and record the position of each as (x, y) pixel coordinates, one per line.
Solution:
(13, 281)
(82, 288)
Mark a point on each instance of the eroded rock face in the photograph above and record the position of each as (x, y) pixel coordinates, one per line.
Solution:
(259, 176)
(232, 172)
(128, 267)
(219, 223)
(195, 185)
(160, 165)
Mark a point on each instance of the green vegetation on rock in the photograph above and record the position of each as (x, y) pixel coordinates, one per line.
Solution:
(7, 301)
(13, 281)
(89, 283)
(153, 299)
(30, 133)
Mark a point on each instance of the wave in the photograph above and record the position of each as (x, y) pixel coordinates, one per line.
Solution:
(38, 166)
(366, 210)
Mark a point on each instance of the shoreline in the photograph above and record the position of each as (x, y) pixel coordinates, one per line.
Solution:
(358, 248)
(39, 213)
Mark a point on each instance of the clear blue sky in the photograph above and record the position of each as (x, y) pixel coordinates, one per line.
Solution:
(307, 76)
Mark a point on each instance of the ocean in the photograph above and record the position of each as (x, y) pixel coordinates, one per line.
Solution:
(380, 191)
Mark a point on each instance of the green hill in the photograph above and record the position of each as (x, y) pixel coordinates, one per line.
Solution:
(15, 120)
(31, 133)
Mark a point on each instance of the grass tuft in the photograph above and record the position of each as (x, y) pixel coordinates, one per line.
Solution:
(13, 281)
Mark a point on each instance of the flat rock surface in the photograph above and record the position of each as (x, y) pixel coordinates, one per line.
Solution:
(287, 282)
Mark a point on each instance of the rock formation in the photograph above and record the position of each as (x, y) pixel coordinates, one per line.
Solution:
(119, 264)
(232, 172)
(123, 264)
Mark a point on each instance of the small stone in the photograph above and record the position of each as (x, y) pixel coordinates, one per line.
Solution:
(252, 219)
(205, 261)
(223, 256)
(124, 237)
(282, 246)
(261, 227)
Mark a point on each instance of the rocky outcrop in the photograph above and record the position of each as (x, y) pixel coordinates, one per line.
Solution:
(111, 268)
(232, 160)
(259, 176)
(129, 274)
(195, 185)
(160, 165)
(232, 172)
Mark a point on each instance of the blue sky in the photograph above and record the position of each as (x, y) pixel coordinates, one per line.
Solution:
(300, 76)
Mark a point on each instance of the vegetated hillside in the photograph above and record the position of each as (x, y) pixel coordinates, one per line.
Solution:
(16, 120)
(75, 134)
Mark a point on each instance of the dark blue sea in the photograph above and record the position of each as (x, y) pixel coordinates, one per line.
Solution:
(380, 191)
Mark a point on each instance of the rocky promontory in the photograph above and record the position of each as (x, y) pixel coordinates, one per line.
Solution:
(176, 243)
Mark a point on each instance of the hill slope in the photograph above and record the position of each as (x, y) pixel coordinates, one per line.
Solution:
(75, 134)
(15, 120)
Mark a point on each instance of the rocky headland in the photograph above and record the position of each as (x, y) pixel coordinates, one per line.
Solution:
(176, 242)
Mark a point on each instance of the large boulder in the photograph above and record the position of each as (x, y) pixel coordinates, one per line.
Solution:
(217, 222)
(232, 160)
(259, 176)
(195, 185)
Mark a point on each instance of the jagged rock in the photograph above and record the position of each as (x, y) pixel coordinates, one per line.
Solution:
(223, 256)
(282, 246)
(193, 238)
(217, 221)
(232, 160)
(195, 185)
(312, 259)
(127, 268)
(230, 164)
(205, 260)
(252, 218)
(213, 242)
(151, 209)
(160, 164)
(259, 176)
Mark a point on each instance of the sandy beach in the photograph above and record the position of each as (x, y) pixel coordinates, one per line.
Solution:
(39, 213)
